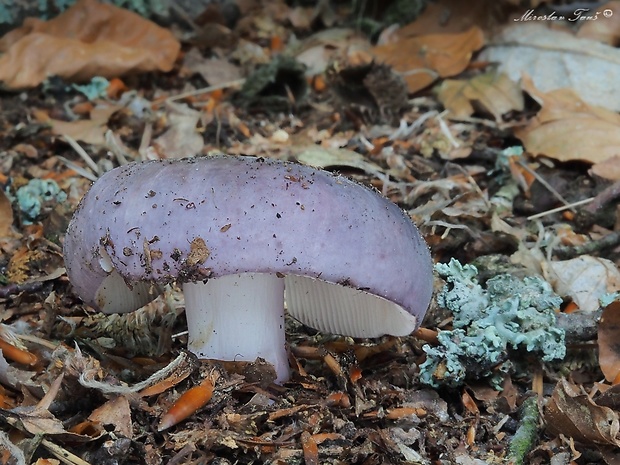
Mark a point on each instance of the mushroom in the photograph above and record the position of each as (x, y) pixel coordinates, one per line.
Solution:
(236, 232)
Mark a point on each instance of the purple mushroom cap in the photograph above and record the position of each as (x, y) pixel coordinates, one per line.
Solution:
(240, 233)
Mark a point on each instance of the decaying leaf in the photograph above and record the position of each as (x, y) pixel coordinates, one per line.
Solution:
(89, 39)
(90, 131)
(572, 413)
(182, 138)
(421, 60)
(491, 92)
(216, 71)
(556, 59)
(321, 157)
(608, 169)
(566, 128)
(584, 279)
(608, 346)
(318, 50)
(115, 412)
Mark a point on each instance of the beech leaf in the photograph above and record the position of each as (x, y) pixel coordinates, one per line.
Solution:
(421, 60)
(89, 39)
(491, 92)
(566, 128)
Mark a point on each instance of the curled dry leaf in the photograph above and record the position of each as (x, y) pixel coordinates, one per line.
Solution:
(572, 413)
(491, 92)
(89, 39)
(584, 279)
(421, 60)
(557, 59)
(608, 337)
(566, 128)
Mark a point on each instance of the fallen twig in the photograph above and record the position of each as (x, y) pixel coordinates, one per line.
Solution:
(609, 241)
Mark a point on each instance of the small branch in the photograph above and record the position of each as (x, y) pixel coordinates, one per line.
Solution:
(206, 90)
(610, 241)
(13, 289)
(607, 195)
(544, 182)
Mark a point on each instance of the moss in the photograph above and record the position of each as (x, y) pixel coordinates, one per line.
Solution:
(524, 439)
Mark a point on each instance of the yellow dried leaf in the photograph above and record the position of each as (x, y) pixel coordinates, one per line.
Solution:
(608, 169)
(492, 92)
(421, 60)
(567, 128)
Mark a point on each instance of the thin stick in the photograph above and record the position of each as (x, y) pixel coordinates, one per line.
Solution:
(559, 209)
(206, 90)
(63, 454)
(607, 242)
(82, 153)
(542, 180)
(78, 169)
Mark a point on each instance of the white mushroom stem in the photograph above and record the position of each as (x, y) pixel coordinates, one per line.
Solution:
(238, 317)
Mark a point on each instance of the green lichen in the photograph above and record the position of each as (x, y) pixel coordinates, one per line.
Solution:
(36, 195)
(6, 15)
(95, 89)
(491, 325)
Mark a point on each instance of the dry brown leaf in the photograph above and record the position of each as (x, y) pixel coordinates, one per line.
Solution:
(608, 169)
(606, 29)
(421, 60)
(318, 50)
(89, 39)
(492, 92)
(6, 215)
(322, 157)
(566, 128)
(608, 337)
(215, 71)
(572, 413)
(90, 131)
(115, 412)
(584, 279)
